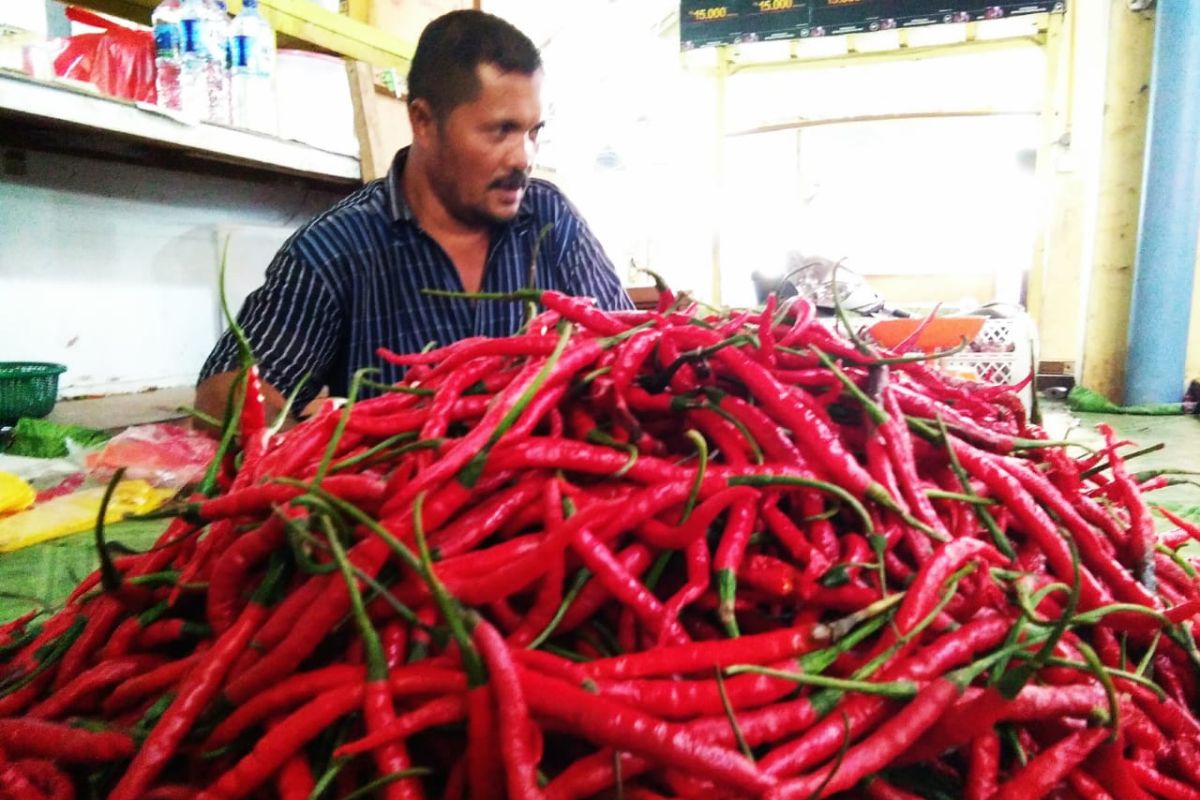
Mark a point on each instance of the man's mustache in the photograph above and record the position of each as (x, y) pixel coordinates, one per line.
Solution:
(511, 182)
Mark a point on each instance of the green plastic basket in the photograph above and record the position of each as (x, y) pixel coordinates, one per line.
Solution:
(27, 389)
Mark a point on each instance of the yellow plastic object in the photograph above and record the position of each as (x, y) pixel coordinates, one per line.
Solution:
(15, 494)
(77, 512)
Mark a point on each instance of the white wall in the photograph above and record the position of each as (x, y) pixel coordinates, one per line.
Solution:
(111, 268)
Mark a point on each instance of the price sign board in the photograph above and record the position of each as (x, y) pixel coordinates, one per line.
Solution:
(705, 23)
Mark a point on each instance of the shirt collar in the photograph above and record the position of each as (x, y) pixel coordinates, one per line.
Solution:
(402, 212)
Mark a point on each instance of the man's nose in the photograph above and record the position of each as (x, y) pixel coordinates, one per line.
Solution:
(524, 152)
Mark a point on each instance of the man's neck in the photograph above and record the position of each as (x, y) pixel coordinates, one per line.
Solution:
(429, 210)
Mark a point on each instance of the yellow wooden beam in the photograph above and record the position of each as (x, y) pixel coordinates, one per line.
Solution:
(903, 53)
(1127, 99)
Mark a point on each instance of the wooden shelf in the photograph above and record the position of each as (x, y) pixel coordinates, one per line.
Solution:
(66, 106)
(298, 23)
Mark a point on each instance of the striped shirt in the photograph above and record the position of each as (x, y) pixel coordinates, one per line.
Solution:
(349, 282)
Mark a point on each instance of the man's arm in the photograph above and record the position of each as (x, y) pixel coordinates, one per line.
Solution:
(212, 396)
(294, 325)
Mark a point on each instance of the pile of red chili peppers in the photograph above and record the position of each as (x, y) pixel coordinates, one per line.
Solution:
(653, 554)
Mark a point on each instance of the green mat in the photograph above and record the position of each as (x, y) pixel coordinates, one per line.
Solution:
(46, 573)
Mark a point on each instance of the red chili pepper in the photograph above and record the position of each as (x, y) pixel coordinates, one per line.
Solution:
(626, 588)
(592, 774)
(612, 724)
(283, 741)
(1087, 786)
(704, 656)
(445, 710)
(1141, 525)
(103, 615)
(47, 777)
(295, 779)
(730, 551)
(1035, 521)
(301, 687)
(89, 683)
(149, 683)
(30, 738)
(258, 499)
(876, 750)
(484, 767)
(476, 525)
(974, 717)
(395, 643)
(1052, 765)
(1161, 785)
(984, 770)
(861, 713)
(227, 581)
(683, 699)
(698, 572)
(14, 783)
(1110, 767)
(201, 686)
(512, 714)
(369, 556)
(793, 408)
(879, 789)
(1091, 548)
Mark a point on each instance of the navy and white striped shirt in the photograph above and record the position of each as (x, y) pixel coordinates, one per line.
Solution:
(350, 281)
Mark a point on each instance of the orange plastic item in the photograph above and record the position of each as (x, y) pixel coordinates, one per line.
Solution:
(942, 333)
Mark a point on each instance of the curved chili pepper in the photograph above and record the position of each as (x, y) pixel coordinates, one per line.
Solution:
(230, 570)
(284, 740)
(14, 783)
(877, 749)
(30, 738)
(704, 656)
(201, 687)
(484, 767)
(512, 714)
(47, 777)
(90, 682)
(616, 725)
(984, 770)
(295, 779)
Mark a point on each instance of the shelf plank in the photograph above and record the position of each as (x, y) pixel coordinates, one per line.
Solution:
(297, 20)
(67, 107)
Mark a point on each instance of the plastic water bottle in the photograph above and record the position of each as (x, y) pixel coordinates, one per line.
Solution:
(167, 61)
(252, 70)
(218, 66)
(194, 57)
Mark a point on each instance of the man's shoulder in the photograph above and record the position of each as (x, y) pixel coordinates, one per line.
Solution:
(345, 225)
(546, 201)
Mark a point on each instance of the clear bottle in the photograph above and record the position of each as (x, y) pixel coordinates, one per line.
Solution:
(252, 70)
(194, 57)
(167, 53)
(218, 66)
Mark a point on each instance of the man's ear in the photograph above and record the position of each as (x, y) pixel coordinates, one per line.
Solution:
(422, 120)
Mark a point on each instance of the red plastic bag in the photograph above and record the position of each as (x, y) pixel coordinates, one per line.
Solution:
(163, 454)
(119, 62)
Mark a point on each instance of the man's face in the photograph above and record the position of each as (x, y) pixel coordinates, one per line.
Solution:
(483, 151)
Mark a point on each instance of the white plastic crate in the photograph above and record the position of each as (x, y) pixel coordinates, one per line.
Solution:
(1002, 353)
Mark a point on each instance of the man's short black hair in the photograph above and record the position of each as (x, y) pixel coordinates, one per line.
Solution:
(451, 48)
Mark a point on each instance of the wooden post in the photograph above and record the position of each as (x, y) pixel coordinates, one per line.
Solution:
(1127, 102)
(373, 152)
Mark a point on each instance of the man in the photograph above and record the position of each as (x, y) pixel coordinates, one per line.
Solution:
(457, 211)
